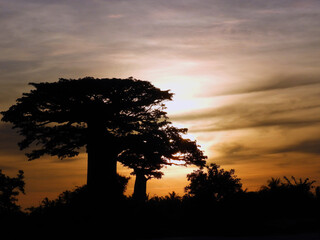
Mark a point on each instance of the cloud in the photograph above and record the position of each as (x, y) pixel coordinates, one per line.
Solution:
(230, 152)
(63, 35)
(247, 110)
(290, 105)
(9, 140)
(229, 148)
(9, 68)
(115, 16)
(274, 83)
(285, 114)
(310, 146)
(298, 152)
(282, 149)
(236, 125)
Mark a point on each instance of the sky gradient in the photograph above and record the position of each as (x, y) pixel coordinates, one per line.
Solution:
(245, 75)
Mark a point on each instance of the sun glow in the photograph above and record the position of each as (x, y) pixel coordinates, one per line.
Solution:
(177, 162)
(177, 159)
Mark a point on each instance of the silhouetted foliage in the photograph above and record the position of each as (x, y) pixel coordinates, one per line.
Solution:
(10, 187)
(77, 199)
(61, 117)
(289, 197)
(215, 184)
(236, 213)
(155, 147)
(318, 193)
(77, 204)
(289, 189)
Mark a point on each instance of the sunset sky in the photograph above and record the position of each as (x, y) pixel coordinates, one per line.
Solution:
(245, 73)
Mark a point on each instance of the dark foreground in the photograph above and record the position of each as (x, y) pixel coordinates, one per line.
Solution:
(305, 236)
(248, 216)
(145, 225)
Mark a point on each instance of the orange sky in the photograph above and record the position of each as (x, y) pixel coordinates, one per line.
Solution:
(245, 76)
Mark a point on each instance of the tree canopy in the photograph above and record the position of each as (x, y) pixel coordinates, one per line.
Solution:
(52, 111)
(59, 118)
(160, 146)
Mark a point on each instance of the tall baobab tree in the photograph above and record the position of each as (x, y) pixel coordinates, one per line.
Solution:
(59, 118)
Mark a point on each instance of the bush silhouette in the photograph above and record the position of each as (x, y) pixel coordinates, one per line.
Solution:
(77, 202)
(288, 190)
(214, 185)
(227, 209)
(10, 187)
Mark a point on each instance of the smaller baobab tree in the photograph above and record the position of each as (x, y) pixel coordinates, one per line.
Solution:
(155, 147)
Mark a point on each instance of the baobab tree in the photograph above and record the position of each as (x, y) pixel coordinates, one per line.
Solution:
(155, 147)
(60, 118)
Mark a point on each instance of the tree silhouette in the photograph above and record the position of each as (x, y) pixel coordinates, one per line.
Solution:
(318, 193)
(215, 184)
(155, 147)
(9, 190)
(302, 186)
(288, 190)
(60, 118)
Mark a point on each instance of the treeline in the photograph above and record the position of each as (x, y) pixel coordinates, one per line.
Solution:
(214, 204)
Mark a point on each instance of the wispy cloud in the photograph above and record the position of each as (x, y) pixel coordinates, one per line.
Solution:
(235, 152)
(271, 83)
(252, 115)
(311, 146)
(236, 125)
(9, 140)
(115, 16)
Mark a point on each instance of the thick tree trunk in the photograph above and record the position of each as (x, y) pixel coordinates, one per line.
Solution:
(102, 164)
(140, 187)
